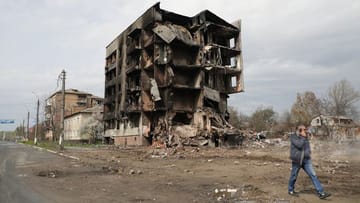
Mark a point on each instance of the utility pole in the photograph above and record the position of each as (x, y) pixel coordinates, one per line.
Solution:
(37, 122)
(27, 126)
(61, 140)
(23, 129)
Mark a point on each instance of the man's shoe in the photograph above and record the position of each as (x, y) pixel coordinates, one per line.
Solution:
(293, 193)
(324, 195)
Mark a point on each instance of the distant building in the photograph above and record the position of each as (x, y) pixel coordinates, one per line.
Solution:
(84, 125)
(335, 127)
(323, 120)
(75, 101)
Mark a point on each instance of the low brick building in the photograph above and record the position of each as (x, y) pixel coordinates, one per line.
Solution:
(75, 101)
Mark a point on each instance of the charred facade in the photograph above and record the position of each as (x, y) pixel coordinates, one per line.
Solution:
(168, 77)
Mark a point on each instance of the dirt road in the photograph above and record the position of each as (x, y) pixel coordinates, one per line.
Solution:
(255, 173)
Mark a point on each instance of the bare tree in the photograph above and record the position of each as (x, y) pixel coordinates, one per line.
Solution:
(50, 122)
(341, 100)
(285, 121)
(237, 119)
(263, 119)
(306, 107)
(92, 127)
(234, 117)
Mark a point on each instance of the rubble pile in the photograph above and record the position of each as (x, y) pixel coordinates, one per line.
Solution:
(219, 133)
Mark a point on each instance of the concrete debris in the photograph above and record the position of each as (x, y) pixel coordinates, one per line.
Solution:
(49, 173)
(169, 32)
(195, 150)
(248, 189)
(221, 133)
(110, 169)
(154, 90)
(205, 142)
(158, 153)
(185, 131)
(225, 194)
(170, 166)
(264, 143)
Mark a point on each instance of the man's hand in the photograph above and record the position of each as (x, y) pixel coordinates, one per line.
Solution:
(303, 134)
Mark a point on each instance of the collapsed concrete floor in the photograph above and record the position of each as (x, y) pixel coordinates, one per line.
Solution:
(188, 174)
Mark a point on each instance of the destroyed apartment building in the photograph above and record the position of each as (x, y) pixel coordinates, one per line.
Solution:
(167, 80)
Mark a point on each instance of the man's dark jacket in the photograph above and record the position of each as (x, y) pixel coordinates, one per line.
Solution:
(299, 148)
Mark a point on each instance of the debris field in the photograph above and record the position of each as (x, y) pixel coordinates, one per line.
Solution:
(253, 173)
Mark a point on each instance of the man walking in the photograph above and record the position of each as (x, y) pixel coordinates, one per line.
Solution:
(300, 155)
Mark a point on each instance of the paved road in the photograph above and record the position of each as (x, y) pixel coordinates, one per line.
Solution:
(14, 157)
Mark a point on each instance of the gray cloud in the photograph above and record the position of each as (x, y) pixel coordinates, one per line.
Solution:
(288, 46)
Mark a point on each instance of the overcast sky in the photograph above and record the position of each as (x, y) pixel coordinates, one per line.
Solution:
(289, 46)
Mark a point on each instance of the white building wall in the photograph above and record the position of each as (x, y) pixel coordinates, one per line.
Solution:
(73, 125)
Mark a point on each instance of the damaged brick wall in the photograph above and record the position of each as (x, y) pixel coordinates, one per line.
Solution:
(168, 77)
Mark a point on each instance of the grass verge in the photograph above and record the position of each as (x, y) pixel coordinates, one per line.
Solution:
(55, 145)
